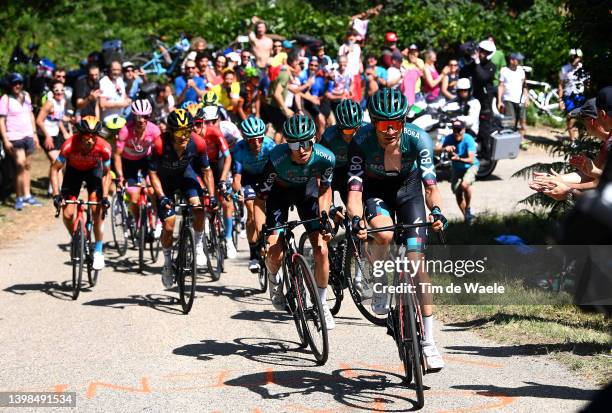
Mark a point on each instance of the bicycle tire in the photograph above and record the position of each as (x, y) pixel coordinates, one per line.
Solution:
(292, 306)
(142, 237)
(118, 225)
(77, 256)
(413, 345)
(353, 263)
(236, 227)
(216, 257)
(262, 277)
(187, 269)
(311, 312)
(92, 275)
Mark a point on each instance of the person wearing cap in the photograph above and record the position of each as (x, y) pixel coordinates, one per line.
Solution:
(339, 86)
(412, 71)
(389, 49)
(464, 103)
(461, 149)
(113, 97)
(354, 66)
(604, 108)
(133, 79)
(395, 72)
(572, 80)
(261, 44)
(481, 71)
(498, 59)
(17, 126)
(512, 95)
(313, 96)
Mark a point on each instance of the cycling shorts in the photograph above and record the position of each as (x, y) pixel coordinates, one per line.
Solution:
(278, 203)
(187, 184)
(74, 178)
(249, 185)
(130, 171)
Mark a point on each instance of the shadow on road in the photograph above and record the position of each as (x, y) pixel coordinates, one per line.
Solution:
(233, 292)
(531, 389)
(355, 388)
(159, 302)
(61, 291)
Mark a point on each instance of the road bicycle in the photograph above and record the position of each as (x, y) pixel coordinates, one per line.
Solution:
(122, 223)
(238, 219)
(145, 227)
(81, 250)
(262, 274)
(544, 97)
(167, 61)
(215, 241)
(301, 294)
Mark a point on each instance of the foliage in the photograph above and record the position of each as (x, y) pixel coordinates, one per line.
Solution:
(68, 30)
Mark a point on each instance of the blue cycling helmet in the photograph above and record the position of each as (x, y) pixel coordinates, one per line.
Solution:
(252, 127)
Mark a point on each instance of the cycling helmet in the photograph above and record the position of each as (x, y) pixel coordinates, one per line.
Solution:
(464, 84)
(180, 119)
(252, 127)
(211, 113)
(187, 103)
(210, 99)
(114, 123)
(349, 114)
(387, 104)
(89, 124)
(141, 107)
(390, 37)
(299, 128)
(196, 111)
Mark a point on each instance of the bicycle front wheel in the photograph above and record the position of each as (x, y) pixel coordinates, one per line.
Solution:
(142, 237)
(311, 309)
(119, 226)
(411, 346)
(187, 269)
(77, 256)
(292, 305)
(215, 250)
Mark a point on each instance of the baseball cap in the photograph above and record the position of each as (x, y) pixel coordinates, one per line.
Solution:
(604, 99)
(234, 57)
(458, 124)
(517, 56)
(15, 78)
(127, 64)
(397, 57)
(287, 44)
(587, 110)
(488, 46)
(413, 47)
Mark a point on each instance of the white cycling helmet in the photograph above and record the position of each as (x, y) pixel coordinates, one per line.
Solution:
(141, 107)
(488, 46)
(464, 84)
(211, 113)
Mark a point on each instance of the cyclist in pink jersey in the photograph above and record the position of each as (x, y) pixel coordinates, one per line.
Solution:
(133, 146)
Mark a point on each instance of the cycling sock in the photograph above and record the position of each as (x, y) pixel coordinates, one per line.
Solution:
(98, 246)
(229, 226)
(167, 256)
(252, 251)
(428, 328)
(199, 236)
(273, 278)
(322, 294)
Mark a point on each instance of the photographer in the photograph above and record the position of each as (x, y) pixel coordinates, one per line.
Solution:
(87, 93)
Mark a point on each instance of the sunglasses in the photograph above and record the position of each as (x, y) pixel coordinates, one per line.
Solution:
(128, 70)
(385, 125)
(258, 139)
(349, 131)
(60, 77)
(198, 123)
(59, 91)
(143, 117)
(190, 67)
(182, 133)
(296, 146)
(457, 130)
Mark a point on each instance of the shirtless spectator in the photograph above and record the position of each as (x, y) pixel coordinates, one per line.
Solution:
(261, 45)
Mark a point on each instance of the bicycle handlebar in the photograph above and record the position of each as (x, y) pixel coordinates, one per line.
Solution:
(290, 225)
(77, 202)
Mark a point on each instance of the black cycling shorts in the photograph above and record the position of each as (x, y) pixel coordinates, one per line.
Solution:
(74, 178)
(279, 202)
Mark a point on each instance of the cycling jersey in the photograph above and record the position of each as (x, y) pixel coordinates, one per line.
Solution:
(136, 147)
(72, 154)
(282, 173)
(165, 161)
(215, 143)
(248, 164)
(333, 140)
(231, 133)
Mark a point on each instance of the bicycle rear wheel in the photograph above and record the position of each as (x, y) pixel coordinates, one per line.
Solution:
(411, 345)
(360, 280)
(187, 269)
(311, 309)
(77, 256)
(142, 237)
(215, 250)
(119, 225)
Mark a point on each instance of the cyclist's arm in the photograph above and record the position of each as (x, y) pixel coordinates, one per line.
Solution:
(106, 181)
(237, 173)
(57, 166)
(355, 180)
(424, 148)
(237, 182)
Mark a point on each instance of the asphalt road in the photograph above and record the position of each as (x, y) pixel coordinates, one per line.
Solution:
(125, 346)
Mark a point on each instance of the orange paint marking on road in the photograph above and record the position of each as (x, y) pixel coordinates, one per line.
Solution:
(503, 399)
(221, 376)
(60, 388)
(398, 368)
(144, 387)
(488, 364)
(269, 376)
(348, 372)
(306, 409)
(379, 406)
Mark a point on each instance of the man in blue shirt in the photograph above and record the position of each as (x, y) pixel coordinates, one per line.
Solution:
(189, 86)
(461, 149)
(313, 97)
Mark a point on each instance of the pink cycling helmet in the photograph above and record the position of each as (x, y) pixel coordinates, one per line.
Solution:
(141, 107)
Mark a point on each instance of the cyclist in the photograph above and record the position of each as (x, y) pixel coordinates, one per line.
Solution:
(220, 162)
(349, 118)
(387, 160)
(289, 168)
(133, 146)
(250, 157)
(170, 169)
(87, 159)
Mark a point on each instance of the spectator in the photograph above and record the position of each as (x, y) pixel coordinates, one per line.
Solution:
(498, 59)
(572, 79)
(481, 71)
(87, 93)
(432, 79)
(261, 44)
(17, 128)
(202, 62)
(162, 105)
(354, 66)
(339, 86)
(512, 95)
(189, 86)
(325, 61)
(389, 49)
(228, 93)
(412, 72)
(59, 74)
(246, 61)
(461, 148)
(376, 76)
(313, 97)
(279, 56)
(50, 121)
(466, 105)
(251, 94)
(113, 98)
(214, 75)
(134, 78)
(233, 60)
(604, 108)
(395, 72)
(448, 87)
(198, 46)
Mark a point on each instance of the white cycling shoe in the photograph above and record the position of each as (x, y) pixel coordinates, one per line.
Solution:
(98, 261)
(380, 305)
(254, 265)
(231, 249)
(242, 234)
(433, 359)
(201, 260)
(329, 318)
(168, 276)
(276, 293)
(158, 230)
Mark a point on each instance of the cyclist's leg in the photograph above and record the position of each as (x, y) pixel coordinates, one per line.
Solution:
(130, 174)
(308, 208)
(252, 227)
(277, 212)
(94, 189)
(71, 186)
(193, 192)
(169, 185)
(379, 213)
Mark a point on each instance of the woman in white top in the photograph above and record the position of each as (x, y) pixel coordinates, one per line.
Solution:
(50, 122)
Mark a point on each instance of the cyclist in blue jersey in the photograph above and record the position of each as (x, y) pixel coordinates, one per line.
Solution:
(289, 169)
(388, 161)
(250, 156)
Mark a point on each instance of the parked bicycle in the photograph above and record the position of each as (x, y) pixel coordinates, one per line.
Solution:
(165, 59)
(81, 249)
(301, 293)
(545, 97)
